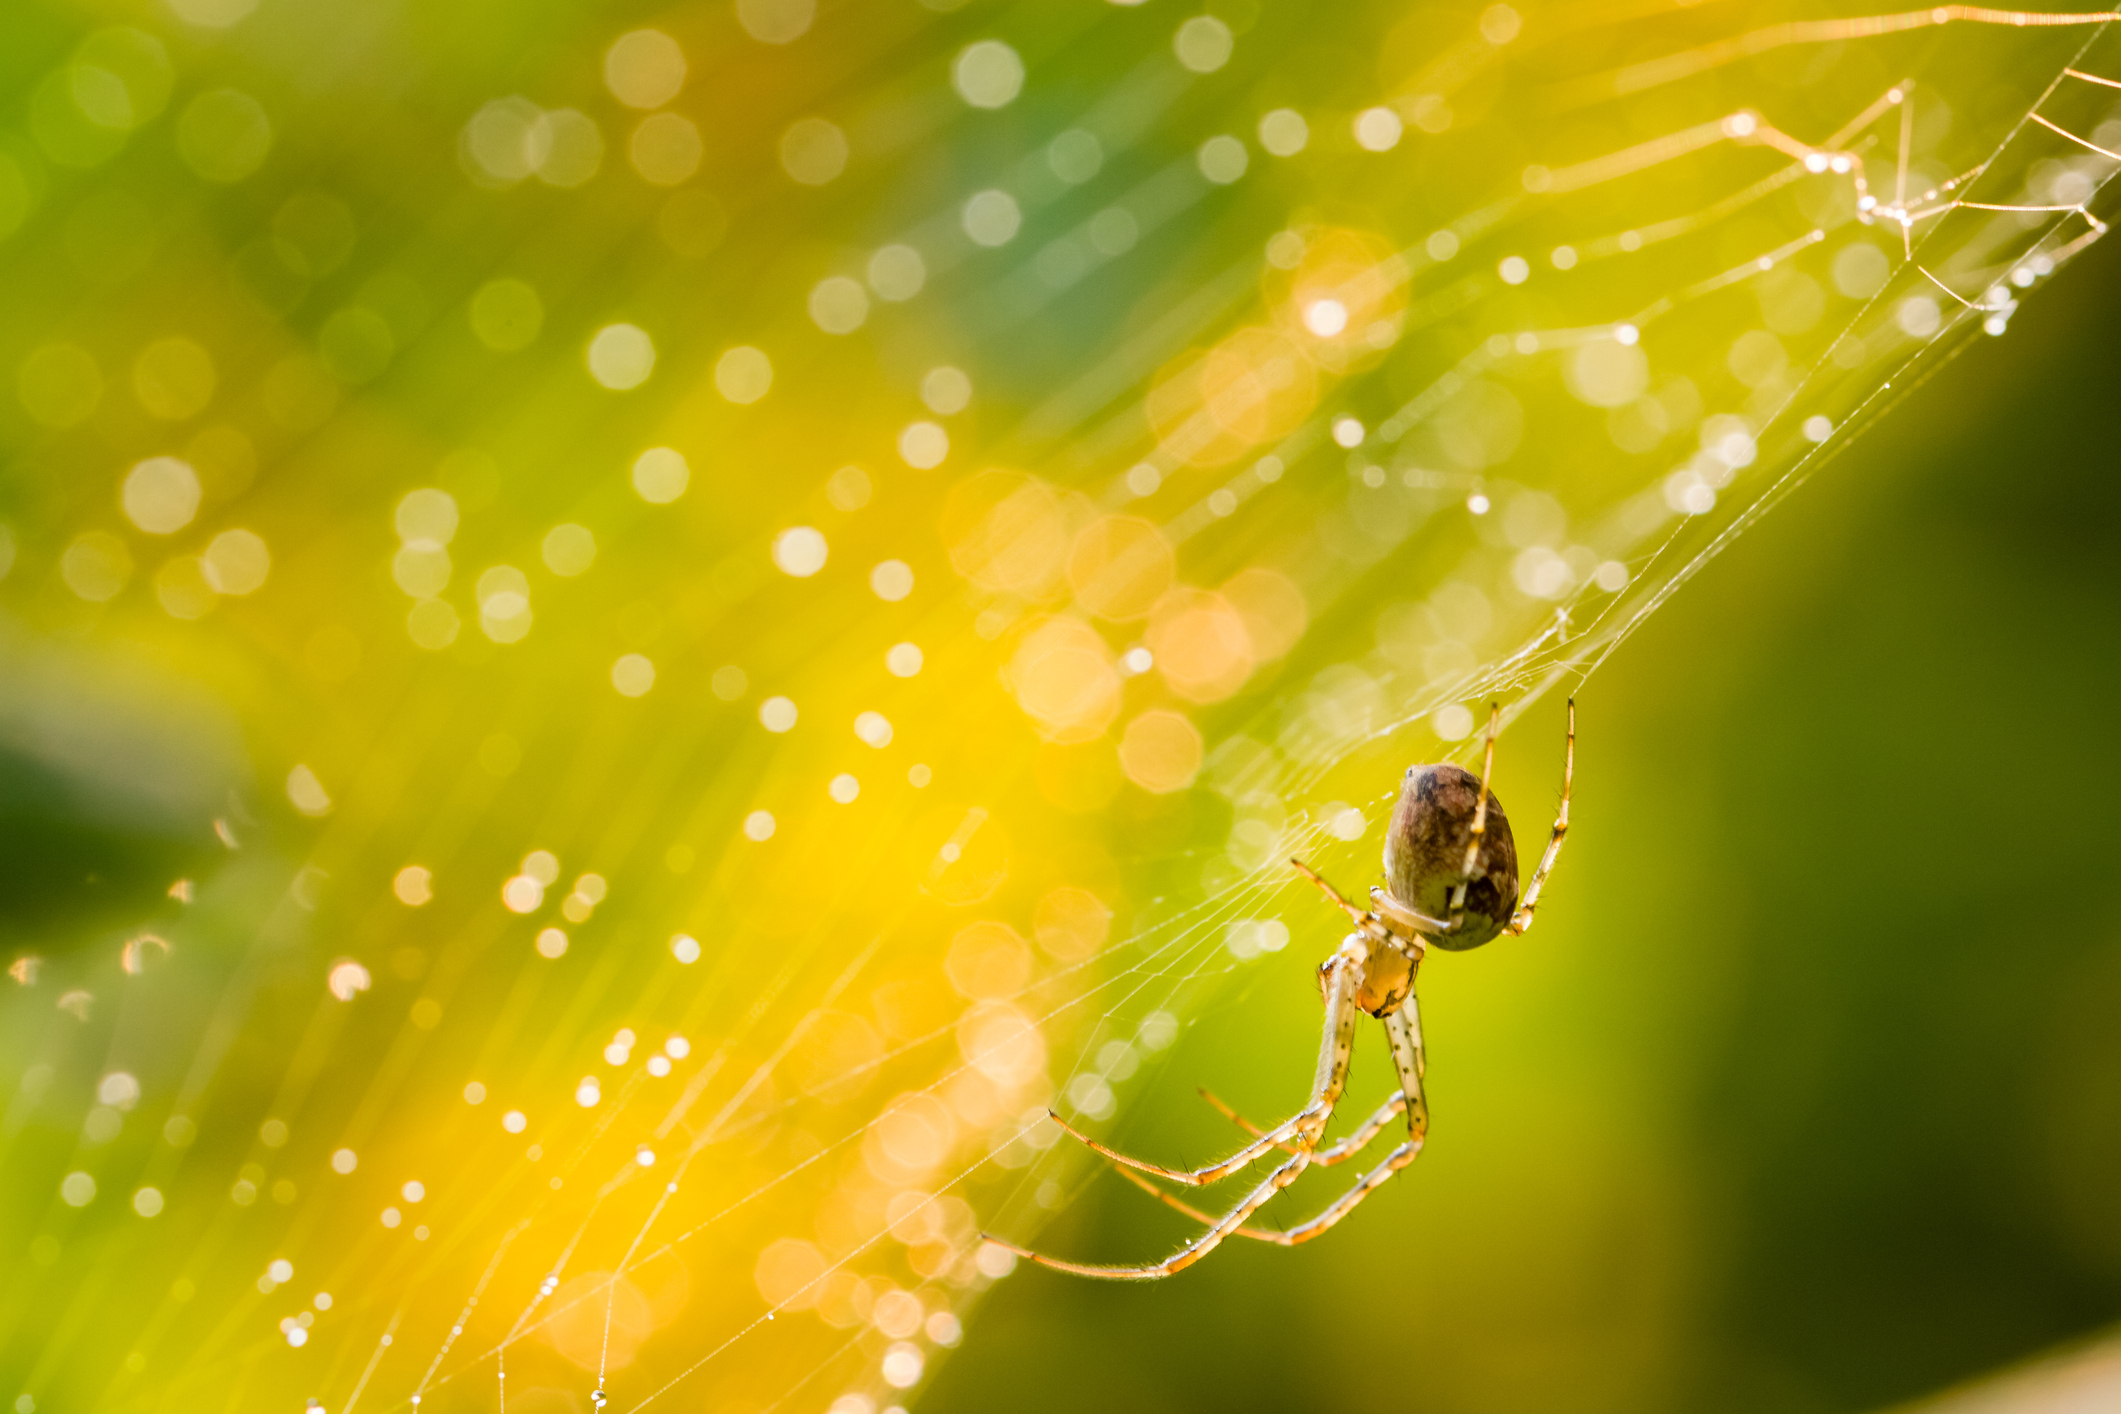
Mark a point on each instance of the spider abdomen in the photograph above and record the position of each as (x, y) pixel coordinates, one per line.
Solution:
(1425, 851)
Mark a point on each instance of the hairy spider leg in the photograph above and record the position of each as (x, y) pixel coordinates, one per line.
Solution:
(1521, 921)
(1340, 1150)
(1480, 820)
(1344, 977)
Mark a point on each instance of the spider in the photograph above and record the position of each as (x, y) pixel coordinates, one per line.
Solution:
(1450, 880)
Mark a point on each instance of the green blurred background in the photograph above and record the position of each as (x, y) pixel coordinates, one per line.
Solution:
(582, 752)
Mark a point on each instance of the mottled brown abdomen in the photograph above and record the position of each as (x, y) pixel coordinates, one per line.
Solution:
(1426, 847)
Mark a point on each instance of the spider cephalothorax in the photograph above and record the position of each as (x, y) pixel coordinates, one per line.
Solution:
(1425, 854)
(1450, 880)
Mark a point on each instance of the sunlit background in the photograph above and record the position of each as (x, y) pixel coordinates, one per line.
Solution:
(630, 636)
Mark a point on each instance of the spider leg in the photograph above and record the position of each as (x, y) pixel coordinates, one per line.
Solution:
(1235, 1118)
(1343, 978)
(1193, 1251)
(1339, 900)
(1521, 921)
(1340, 1151)
(1404, 1027)
(1340, 1207)
(1257, 1234)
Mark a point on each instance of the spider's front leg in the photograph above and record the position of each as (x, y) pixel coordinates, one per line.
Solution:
(1340, 977)
(1403, 1026)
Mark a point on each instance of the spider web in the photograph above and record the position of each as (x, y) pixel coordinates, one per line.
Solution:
(1415, 458)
